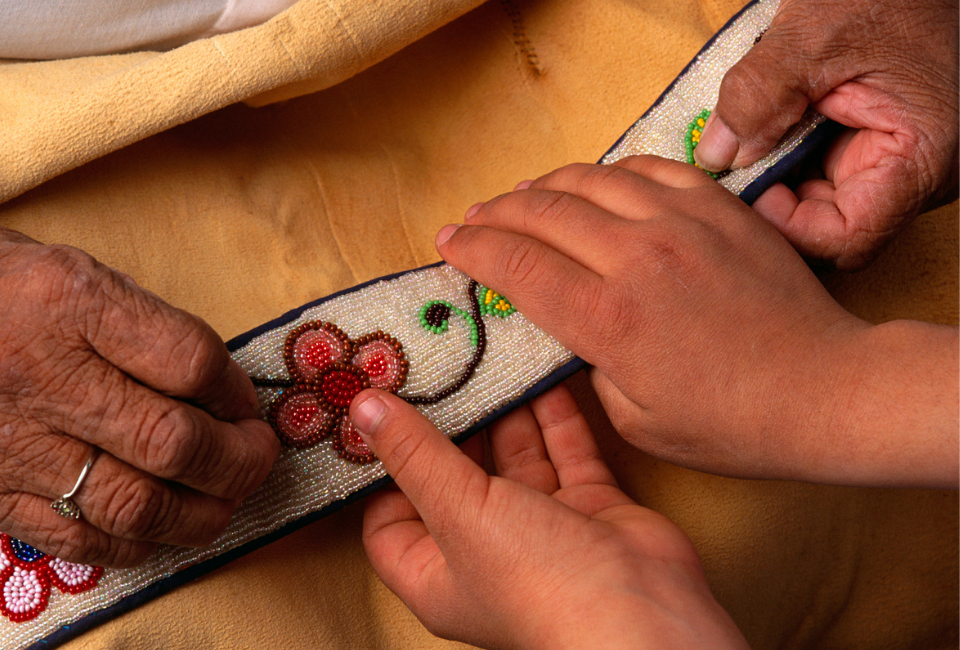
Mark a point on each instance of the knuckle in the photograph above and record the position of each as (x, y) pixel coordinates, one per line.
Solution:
(78, 544)
(67, 544)
(247, 469)
(62, 275)
(75, 545)
(519, 262)
(170, 442)
(71, 545)
(762, 96)
(638, 163)
(584, 180)
(73, 389)
(742, 82)
(197, 353)
(679, 174)
(140, 508)
(29, 453)
(568, 176)
(596, 178)
(544, 209)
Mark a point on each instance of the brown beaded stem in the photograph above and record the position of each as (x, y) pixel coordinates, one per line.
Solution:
(412, 399)
(266, 382)
(474, 361)
(273, 417)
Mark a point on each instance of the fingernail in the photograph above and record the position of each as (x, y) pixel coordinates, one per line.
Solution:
(366, 416)
(472, 210)
(718, 146)
(446, 233)
(522, 185)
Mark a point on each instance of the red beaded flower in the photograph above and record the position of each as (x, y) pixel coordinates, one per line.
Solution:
(27, 575)
(328, 370)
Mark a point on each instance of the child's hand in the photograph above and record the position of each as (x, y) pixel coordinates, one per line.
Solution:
(549, 554)
(715, 346)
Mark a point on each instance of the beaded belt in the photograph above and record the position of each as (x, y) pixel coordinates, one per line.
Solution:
(456, 349)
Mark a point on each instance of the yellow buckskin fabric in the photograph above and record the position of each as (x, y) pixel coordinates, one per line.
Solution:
(389, 131)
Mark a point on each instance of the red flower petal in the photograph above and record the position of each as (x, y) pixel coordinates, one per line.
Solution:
(347, 442)
(313, 347)
(381, 357)
(299, 417)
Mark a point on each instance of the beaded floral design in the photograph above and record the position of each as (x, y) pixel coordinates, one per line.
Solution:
(493, 303)
(328, 369)
(692, 136)
(435, 316)
(27, 575)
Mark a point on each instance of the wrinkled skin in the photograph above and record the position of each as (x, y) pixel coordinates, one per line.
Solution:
(885, 69)
(548, 553)
(89, 359)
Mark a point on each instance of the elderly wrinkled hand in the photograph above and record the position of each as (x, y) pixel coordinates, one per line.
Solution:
(92, 367)
(548, 554)
(886, 70)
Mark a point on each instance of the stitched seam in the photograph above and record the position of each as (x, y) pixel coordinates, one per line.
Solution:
(520, 39)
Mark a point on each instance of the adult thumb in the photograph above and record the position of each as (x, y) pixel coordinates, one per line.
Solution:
(761, 97)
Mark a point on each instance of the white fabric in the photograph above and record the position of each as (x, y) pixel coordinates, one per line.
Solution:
(59, 29)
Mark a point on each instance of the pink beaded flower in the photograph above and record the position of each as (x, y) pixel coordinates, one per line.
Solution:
(328, 370)
(26, 575)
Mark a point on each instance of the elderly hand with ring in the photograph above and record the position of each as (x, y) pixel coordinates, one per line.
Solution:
(126, 414)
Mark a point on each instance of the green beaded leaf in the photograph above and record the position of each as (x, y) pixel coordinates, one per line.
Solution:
(692, 136)
(493, 304)
(435, 316)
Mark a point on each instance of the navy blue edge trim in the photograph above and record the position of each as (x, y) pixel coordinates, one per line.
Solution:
(195, 571)
(820, 134)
